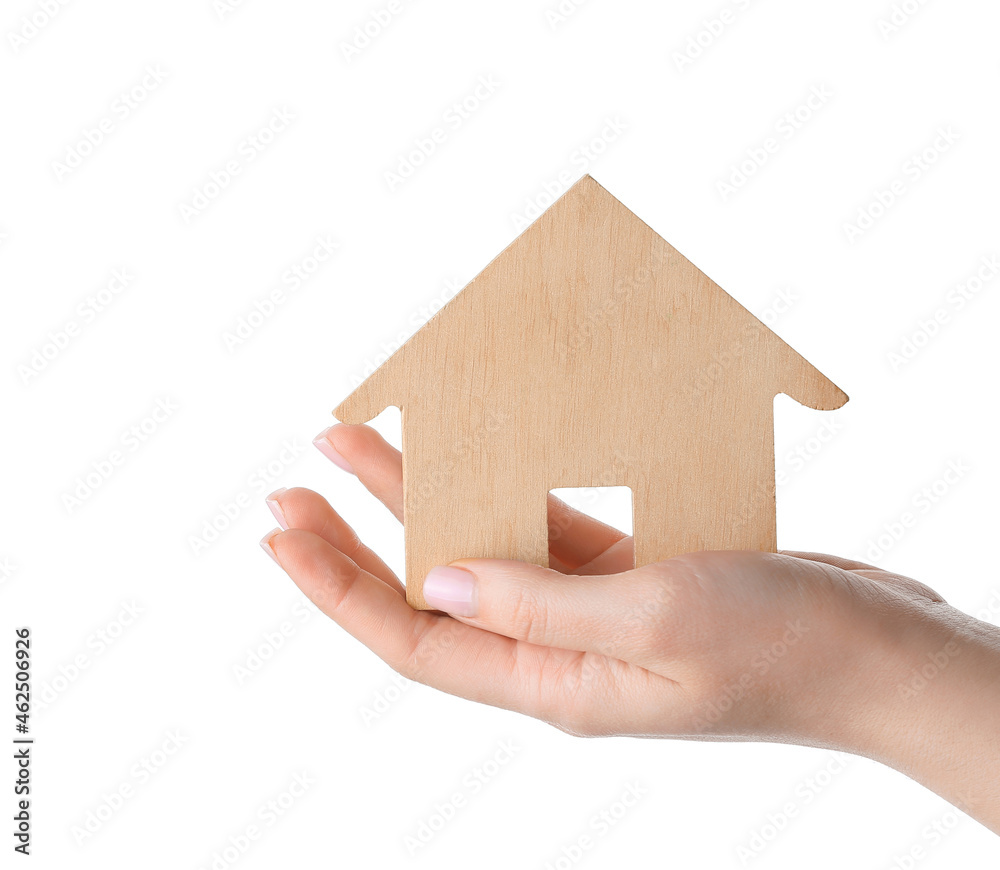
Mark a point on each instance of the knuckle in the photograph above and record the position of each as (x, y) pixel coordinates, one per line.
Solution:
(564, 713)
(688, 567)
(576, 723)
(351, 545)
(578, 684)
(686, 579)
(412, 663)
(573, 730)
(410, 668)
(424, 653)
(649, 620)
(526, 614)
(335, 588)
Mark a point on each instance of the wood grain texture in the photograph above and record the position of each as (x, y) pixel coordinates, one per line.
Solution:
(588, 353)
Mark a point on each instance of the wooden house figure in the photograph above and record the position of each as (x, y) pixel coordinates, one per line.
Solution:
(588, 353)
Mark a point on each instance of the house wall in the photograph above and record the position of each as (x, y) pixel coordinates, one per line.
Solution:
(589, 353)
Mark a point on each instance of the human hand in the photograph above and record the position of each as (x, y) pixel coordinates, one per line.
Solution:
(739, 645)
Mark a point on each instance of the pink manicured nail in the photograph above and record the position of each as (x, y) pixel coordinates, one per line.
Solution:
(324, 446)
(265, 544)
(452, 590)
(272, 502)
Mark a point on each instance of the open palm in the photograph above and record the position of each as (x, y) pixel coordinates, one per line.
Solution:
(707, 645)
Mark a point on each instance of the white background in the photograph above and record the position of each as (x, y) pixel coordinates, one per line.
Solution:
(678, 129)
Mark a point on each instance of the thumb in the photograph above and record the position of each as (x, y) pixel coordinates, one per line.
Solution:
(599, 613)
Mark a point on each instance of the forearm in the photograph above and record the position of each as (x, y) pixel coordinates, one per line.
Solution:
(939, 720)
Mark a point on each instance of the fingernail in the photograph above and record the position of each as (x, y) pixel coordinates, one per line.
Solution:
(272, 502)
(265, 544)
(324, 446)
(452, 590)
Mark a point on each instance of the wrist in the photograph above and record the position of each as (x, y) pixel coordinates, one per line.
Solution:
(933, 704)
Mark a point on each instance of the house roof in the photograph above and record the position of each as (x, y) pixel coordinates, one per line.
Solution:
(591, 287)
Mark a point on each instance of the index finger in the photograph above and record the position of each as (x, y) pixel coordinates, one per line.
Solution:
(423, 645)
